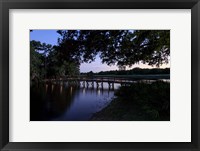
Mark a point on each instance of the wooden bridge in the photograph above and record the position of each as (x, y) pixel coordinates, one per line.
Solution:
(98, 80)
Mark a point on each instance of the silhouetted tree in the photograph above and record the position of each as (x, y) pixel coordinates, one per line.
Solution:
(121, 47)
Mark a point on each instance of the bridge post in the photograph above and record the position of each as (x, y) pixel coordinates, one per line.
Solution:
(87, 84)
(83, 84)
(113, 85)
(109, 85)
(101, 85)
(97, 84)
(92, 83)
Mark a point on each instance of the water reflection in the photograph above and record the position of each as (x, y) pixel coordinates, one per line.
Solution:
(61, 89)
(98, 92)
(52, 87)
(83, 91)
(71, 90)
(65, 102)
(46, 86)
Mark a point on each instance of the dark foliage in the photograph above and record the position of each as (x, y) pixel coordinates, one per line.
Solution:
(138, 102)
(135, 71)
(152, 99)
(121, 47)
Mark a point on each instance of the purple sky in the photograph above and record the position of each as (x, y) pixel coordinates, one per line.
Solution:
(50, 37)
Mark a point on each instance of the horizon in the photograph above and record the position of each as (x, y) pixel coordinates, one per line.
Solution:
(128, 69)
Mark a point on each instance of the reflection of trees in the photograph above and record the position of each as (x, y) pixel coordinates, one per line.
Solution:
(51, 104)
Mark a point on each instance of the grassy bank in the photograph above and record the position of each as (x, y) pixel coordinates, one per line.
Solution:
(138, 102)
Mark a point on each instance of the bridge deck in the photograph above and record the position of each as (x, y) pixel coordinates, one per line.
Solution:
(111, 79)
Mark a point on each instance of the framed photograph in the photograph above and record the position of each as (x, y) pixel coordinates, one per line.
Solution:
(99, 75)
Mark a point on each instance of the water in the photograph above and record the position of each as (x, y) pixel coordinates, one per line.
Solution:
(63, 102)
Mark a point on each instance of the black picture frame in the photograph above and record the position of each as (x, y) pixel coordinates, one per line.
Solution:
(5, 5)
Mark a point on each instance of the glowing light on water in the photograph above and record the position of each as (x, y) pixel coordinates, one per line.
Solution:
(83, 90)
(71, 90)
(61, 88)
(52, 87)
(46, 87)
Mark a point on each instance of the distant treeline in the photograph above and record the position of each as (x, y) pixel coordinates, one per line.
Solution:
(135, 71)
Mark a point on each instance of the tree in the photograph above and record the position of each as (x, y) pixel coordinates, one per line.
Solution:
(121, 47)
(39, 53)
(122, 68)
(152, 47)
(36, 70)
(90, 74)
(68, 52)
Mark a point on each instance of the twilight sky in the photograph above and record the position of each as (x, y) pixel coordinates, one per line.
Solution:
(51, 36)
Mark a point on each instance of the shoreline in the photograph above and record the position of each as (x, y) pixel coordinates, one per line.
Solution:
(138, 106)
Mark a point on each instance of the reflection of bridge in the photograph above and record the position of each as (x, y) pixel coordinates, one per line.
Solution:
(110, 79)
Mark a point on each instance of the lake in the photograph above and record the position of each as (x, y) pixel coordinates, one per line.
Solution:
(63, 102)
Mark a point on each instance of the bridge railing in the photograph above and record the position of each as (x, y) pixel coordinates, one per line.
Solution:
(113, 78)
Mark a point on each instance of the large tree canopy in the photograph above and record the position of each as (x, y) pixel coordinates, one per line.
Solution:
(121, 47)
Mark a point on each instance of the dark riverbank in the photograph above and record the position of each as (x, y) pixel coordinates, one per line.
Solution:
(138, 102)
